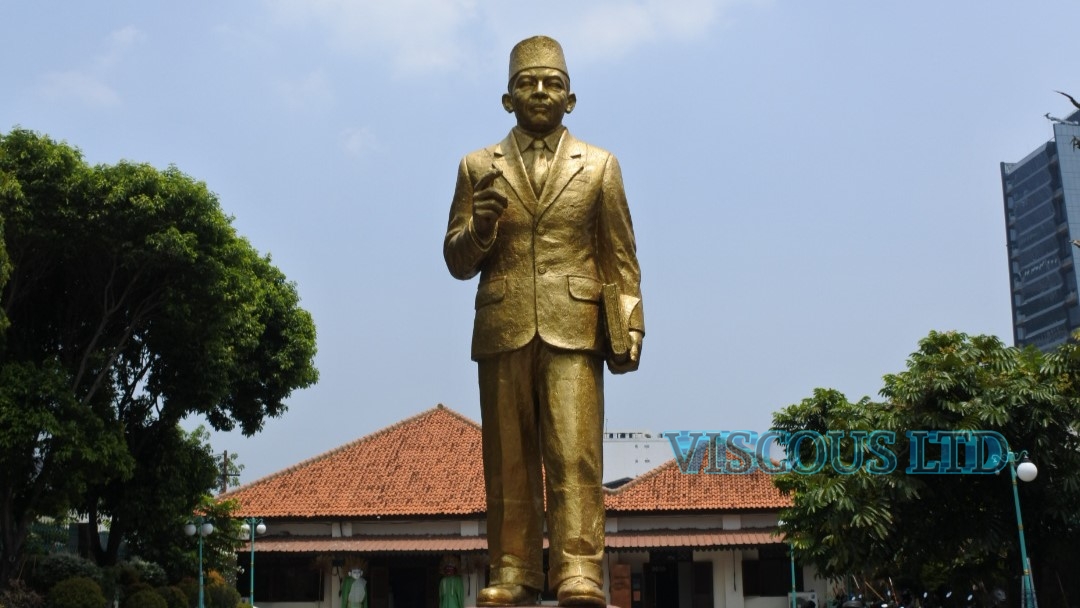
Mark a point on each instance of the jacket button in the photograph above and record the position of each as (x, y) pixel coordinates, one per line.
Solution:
(541, 230)
(541, 269)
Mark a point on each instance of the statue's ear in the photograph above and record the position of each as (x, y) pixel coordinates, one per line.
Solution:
(508, 103)
(571, 101)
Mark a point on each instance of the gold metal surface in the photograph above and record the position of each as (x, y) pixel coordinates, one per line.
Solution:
(544, 250)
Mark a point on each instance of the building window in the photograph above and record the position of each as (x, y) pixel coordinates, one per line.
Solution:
(770, 574)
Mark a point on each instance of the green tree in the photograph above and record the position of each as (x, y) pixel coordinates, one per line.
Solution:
(5, 264)
(148, 508)
(938, 529)
(52, 444)
(132, 304)
(178, 553)
(156, 502)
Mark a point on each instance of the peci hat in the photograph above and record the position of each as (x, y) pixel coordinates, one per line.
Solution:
(537, 52)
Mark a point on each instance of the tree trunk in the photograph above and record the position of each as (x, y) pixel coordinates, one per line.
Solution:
(111, 555)
(12, 538)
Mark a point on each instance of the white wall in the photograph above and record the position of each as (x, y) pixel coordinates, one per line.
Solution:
(768, 602)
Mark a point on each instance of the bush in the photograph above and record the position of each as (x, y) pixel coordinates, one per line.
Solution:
(78, 592)
(213, 577)
(190, 587)
(221, 595)
(144, 572)
(146, 598)
(174, 596)
(132, 589)
(47, 571)
(18, 595)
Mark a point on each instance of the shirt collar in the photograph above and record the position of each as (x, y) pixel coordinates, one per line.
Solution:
(525, 139)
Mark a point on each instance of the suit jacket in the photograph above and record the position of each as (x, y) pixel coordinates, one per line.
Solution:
(542, 273)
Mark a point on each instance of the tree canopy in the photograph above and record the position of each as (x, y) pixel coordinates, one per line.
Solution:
(954, 529)
(130, 303)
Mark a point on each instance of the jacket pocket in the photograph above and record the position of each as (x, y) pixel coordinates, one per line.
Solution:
(490, 292)
(584, 288)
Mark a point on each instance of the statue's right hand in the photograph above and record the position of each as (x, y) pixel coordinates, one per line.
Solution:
(488, 204)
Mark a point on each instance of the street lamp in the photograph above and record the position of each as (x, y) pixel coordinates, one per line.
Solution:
(204, 528)
(1026, 471)
(791, 551)
(252, 526)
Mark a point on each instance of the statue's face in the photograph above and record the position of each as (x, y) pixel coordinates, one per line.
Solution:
(539, 97)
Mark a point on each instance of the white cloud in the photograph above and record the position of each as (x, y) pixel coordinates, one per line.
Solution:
(682, 18)
(89, 84)
(606, 31)
(310, 92)
(415, 34)
(358, 142)
(126, 36)
(80, 86)
(613, 29)
(419, 35)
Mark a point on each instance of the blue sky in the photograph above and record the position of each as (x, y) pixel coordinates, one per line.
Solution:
(814, 184)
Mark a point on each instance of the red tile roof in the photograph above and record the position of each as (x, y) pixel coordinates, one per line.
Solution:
(431, 465)
(367, 544)
(666, 488)
(651, 539)
(634, 540)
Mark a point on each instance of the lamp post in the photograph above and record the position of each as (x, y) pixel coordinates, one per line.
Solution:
(791, 552)
(252, 526)
(1026, 471)
(203, 528)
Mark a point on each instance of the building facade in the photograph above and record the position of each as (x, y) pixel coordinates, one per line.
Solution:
(404, 502)
(1042, 217)
(628, 454)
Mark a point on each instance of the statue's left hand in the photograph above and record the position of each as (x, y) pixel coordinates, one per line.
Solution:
(633, 357)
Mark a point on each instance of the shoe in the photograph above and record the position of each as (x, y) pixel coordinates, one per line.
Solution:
(506, 595)
(580, 591)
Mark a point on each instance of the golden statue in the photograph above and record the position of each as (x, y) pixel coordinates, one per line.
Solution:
(542, 218)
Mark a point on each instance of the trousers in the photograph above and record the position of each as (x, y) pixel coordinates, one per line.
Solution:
(542, 412)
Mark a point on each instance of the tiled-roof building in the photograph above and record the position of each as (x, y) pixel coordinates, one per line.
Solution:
(400, 501)
(423, 466)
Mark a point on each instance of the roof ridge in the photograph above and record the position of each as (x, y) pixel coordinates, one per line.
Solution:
(370, 436)
(457, 414)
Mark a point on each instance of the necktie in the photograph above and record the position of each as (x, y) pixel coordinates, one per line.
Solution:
(539, 165)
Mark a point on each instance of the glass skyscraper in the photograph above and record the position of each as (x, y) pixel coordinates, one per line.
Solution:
(1042, 218)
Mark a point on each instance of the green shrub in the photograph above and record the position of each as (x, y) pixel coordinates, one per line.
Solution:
(146, 598)
(124, 574)
(190, 587)
(132, 589)
(77, 592)
(218, 593)
(48, 570)
(128, 577)
(18, 595)
(221, 595)
(145, 572)
(174, 596)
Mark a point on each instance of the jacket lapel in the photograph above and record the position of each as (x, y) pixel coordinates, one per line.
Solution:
(569, 160)
(508, 160)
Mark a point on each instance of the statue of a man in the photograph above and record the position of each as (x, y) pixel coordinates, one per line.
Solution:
(542, 218)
